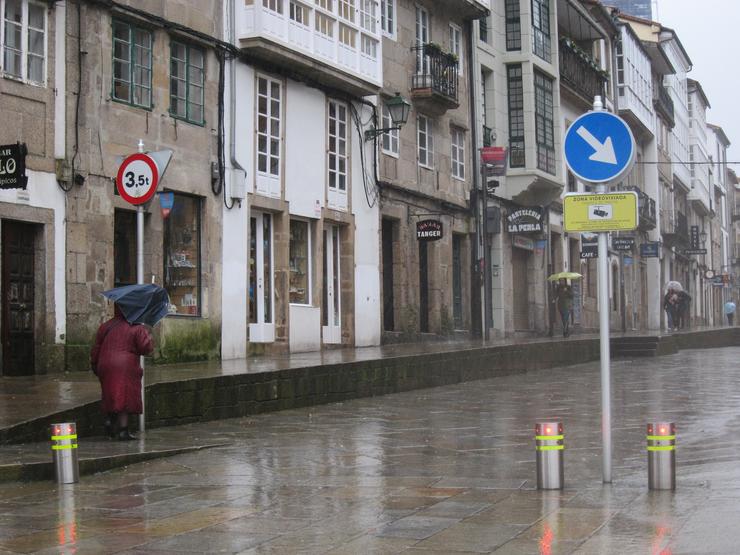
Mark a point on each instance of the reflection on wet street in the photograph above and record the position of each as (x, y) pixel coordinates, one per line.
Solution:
(445, 470)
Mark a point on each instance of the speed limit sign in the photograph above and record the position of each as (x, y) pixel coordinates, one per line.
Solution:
(137, 178)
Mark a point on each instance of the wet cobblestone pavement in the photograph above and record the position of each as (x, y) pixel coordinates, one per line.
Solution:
(444, 470)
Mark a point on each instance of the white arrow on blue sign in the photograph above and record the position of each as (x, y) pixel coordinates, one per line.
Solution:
(599, 147)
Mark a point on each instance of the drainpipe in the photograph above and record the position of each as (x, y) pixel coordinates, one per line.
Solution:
(235, 165)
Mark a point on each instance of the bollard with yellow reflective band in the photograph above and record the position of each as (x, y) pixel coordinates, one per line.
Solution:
(64, 452)
(549, 438)
(661, 452)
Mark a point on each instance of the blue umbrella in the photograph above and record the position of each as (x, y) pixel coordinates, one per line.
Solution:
(145, 303)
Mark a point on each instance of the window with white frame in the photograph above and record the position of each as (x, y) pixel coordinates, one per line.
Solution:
(369, 47)
(337, 151)
(388, 17)
(458, 152)
(324, 24)
(456, 45)
(269, 101)
(425, 142)
(328, 5)
(132, 64)
(347, 35)
(273, 5)
(368, 18)
(391, 138)
(422, 38)
(298, 13)
(23, 33)
(347, 10)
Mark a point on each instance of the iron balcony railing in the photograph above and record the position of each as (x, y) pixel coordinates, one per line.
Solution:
(579, 71)
(435, 70)
(674, 226)
(487, 136)
(647, 211)
(664, 104)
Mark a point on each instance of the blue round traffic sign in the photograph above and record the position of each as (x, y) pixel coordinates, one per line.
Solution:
(599, 147)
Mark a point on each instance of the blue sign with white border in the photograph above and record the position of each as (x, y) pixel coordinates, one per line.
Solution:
(599, 147)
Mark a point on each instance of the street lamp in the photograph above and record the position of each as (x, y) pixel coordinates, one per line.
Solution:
(703, 237)
(399, 109)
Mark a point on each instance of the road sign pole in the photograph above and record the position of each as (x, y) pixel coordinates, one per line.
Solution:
(606, 405)
(140, 280)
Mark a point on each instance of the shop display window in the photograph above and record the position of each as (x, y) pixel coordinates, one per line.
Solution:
(182, 255)
(300, 262)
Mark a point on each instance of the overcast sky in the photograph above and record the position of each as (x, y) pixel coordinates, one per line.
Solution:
(709, 32)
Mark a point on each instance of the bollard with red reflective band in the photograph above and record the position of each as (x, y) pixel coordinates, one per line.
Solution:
(661, 452)
(548, 438)
(64, 452)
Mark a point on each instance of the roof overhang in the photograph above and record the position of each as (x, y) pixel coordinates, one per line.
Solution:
(533, 189)
(577, 22)
(659, 59)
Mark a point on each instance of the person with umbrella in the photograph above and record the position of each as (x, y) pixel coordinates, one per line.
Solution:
(564, 297)
(119, 343)
(670, 304)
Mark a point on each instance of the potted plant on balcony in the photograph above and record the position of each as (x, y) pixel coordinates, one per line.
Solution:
(432, 49)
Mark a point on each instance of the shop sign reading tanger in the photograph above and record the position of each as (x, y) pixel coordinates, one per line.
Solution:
(13, 166)
(429, 230)
(524, 220)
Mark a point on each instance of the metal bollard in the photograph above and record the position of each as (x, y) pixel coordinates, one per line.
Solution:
(549, 445)
(64, 452)
(661, 452)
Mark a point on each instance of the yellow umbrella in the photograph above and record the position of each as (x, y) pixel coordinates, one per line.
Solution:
(564, 275)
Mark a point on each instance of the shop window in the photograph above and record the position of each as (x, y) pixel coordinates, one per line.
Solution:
(187, 73)
(300, 262)
(132, 64)
(124, 248)
(23, 34)
(182, 255)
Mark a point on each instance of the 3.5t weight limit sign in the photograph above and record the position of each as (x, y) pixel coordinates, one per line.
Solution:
(137, 178)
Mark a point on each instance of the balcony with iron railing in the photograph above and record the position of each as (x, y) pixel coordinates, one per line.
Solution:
(664, 105)
(646, 209)
(487, 136)
(339, 46)
(579, 72)
(434, 84)
(674, 227)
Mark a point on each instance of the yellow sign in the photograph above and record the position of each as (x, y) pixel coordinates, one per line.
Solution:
(607, 212)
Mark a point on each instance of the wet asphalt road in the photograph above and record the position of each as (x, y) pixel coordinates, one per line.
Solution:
(444, 470)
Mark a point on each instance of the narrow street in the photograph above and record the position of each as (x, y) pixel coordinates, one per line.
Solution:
(443, 470)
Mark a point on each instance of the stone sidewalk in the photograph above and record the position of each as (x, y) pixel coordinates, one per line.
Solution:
(443, 470)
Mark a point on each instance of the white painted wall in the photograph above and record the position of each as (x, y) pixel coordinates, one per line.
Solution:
(368, 305)
(44, 192)
(235, 260)
(305, 328)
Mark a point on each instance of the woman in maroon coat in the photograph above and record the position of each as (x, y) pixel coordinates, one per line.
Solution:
(115, 360)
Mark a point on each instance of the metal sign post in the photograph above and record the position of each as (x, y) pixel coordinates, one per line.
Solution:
(599, 148)
(140, 280)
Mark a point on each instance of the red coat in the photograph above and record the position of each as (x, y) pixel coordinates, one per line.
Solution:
(116, 358)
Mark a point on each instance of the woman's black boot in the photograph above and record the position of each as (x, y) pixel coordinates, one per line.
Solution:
(125, 435)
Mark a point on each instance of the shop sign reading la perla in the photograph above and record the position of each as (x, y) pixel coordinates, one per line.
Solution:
(524, 220)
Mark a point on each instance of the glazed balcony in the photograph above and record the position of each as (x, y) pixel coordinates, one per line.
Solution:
(579, 72)
(674, 227)
(434, 85)
(646, 210)
(338, 44)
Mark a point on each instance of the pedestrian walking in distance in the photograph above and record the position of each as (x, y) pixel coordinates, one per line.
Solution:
(730, 308)
(683, 309)
(115, 360)
(670, 302)
(564, 302)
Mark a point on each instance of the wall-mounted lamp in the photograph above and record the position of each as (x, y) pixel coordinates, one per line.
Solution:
(399, 109)
(703, 237)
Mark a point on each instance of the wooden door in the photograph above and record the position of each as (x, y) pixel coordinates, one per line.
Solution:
(17, 298)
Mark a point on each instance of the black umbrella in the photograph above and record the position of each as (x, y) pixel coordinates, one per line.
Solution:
(145, 303)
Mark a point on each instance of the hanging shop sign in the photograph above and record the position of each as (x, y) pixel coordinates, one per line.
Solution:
(628, 261)
(689, 252)
(524, 220)
(589, 245)
(166, 202)
(650, 250)
(623, 243)
(694, 237)
(493, 160)
(429, 230)
(13, 166)
(522, 242)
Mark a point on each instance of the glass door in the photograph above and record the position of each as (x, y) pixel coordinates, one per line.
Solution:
(261, 280)
(331, 299)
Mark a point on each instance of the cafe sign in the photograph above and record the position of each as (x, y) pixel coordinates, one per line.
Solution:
(524, 220)
(13, 166)
(429, 230)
